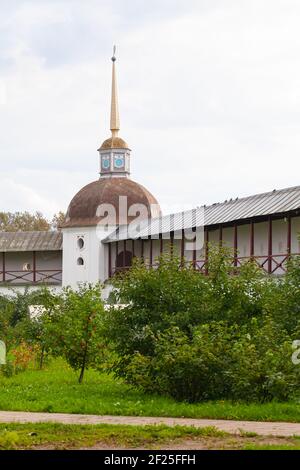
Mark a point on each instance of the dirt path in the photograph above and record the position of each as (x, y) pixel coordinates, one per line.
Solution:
(232, 427)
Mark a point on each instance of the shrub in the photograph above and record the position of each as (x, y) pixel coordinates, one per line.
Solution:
(195, 337)
(7, 369)
(23, 356)
(220, 361)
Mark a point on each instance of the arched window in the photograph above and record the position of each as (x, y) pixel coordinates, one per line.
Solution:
(123, 260)
(80, 262)
(80, 243)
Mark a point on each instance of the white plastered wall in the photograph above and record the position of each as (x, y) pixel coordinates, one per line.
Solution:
(93, 253)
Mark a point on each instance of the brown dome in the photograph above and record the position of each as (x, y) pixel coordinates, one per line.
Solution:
(82, 211)
(114, 143)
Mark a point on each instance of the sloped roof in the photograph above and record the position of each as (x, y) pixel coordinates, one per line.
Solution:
(264, 204)
(273, 202)
(114, 143)
(30, 241)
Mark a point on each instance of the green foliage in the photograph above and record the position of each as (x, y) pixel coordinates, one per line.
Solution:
(20, 302)
(223, 336)
(14, 317)
(68, 324)
(7, 370)
(219, 362)
(77, 333)
(17, 327)
(283, 303)
(8, 439)
(6, 321)
(40, 329)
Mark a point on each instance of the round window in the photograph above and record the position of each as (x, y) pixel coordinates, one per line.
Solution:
(80, 262)
(80, 243)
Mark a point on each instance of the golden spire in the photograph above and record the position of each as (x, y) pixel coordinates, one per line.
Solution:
(114, 113)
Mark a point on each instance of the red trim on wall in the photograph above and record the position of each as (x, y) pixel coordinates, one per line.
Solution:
(270, 243)
(182, 246)
(3, 266)
(151, 250)
(171, 244)
(235, 245)
(206, 250)
(251, 239)
(34, 265)
(142, 249)
(220, 235)
(194, 250)
(124, 253)
(109, 260)
(289, 235)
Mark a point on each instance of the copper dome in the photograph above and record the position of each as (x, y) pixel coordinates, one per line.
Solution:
(82, 211)
(114, 143)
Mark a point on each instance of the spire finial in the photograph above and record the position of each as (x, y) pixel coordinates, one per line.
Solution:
(114, 54)
(114, 114)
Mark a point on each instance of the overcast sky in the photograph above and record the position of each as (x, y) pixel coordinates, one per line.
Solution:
(209, 94)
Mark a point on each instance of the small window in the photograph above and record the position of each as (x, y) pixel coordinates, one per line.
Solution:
(80, 243)
(80, 262)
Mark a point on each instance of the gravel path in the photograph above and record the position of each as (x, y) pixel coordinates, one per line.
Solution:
(233, 427)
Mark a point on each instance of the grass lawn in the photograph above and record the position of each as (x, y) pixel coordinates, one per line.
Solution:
(55, 389)
(63, 436)
(49, 436)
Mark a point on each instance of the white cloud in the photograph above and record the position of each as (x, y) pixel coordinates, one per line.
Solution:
(23, 197)
(37, 190)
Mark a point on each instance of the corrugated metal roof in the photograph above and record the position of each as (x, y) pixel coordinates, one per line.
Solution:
(166, 224)
(273, 202)
(30, 241)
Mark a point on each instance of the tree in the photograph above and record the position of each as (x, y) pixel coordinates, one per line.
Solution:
(57, 220)
(23, 222)
(6, 315)
(26, 222)
(39, 329)
(79, 329)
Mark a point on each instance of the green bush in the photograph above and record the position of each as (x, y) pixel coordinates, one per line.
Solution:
(7, 369)
(219, 362)
(196, 337)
